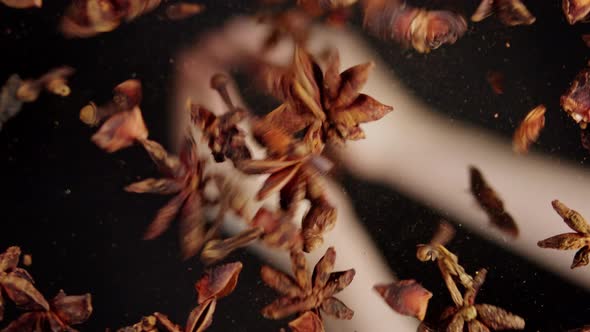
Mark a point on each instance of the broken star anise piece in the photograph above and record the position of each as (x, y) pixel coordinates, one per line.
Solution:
(64, 311)
(510, 12)
(279, 231)
(576, 10)
(406, 297)
(420, 28)
(579, 240)
(480, 317)
(183, 177)
(54, 81)
(576, 100)
(492, 205)
(87, 18)
(17, 285)
(307, 322)
(529, 129)
(303, 292)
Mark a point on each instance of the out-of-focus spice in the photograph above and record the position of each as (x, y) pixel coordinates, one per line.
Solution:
(488, 200)
(423, 29)
(303, 292)
(496, 81)
(576, 100)
(279, 231)
(510, 12)
(579, 240)
(529, 129)
(576, 10)
(406, 297)
(183, 10)
(27, 260)
(22, 4)
(10, 104)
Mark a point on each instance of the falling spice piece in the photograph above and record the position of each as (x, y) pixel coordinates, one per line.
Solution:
(510, 12)
(492, 205)
(22, 4)
(126, 96)
(479, 317)
(279, 231)
(496, 81)
(54, 81)
(448, 263)
(27, 260)
(10, 105)
(305, 292)
(580, 240)
(64, 311)
(183, 10)
(576, 10)
(87, 18)
(216, 250)
(423, 29)
(406, 297)
(576, 100)
(307, 322)
(529, 129)
(586, 39)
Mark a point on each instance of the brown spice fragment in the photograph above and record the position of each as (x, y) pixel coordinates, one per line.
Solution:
(279, 231)
(307, 322)
(579, 240)
(423, 29)
(406, 297)
(306, 293)
(576, 10)
(22, 4)
(529, 129)
(496, 81)
(576, 100)
(492, 205)
(183, 10)
(510, 12)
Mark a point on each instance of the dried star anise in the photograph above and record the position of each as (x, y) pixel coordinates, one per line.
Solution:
(576, 10)
(423, 29)
(87, 18)
(279, 231)
(17, 285)
(576, 100)
(579, 240)
(510, 12)
(218, 282)
(308, 293)
(307, 322)
(448, 263)
(64, 311)
(493, 206)
(224, 137)
(479, 317)
(529, 129)
(406, 297)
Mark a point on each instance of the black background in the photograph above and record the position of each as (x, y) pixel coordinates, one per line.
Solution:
(62, 198)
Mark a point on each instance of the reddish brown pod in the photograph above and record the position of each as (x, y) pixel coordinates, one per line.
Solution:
(529, 130)
(406, 297)
(22, 4)
(576, 10)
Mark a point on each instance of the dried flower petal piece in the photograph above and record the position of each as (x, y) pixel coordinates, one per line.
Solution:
(576, 100)
(302, 293)
(579, 240)
(121, 130)
(183, 10)
(406, 297)
(529, 129)
(307, 322)
(576, 10)
(218, 281)
(21, 4)
(510, 12)
(492, 205)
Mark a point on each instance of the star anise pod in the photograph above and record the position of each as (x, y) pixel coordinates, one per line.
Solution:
(420, 28)
(279, 231)
(183, 176)
(576, 10)
(16, 284)
(488, 200)
(307, 322)
(576, 100)
(295, 179)
(510, 12)
(480, 317)
(448, 263)
(224, 137)
(406, 297)
(303, 292)
(218, 282)
(64, 311)
(579, 240)
(87, 18)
